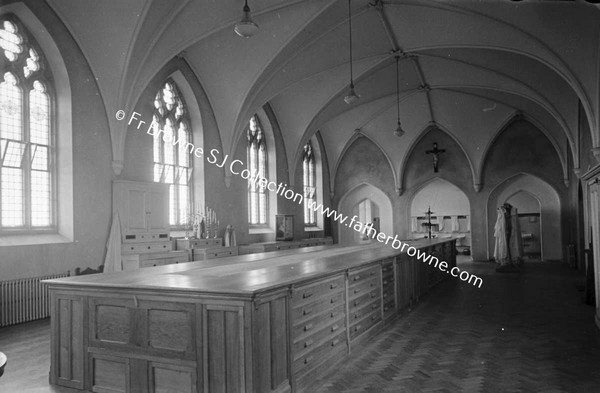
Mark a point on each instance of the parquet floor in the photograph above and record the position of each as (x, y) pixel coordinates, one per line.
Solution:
(525, 332)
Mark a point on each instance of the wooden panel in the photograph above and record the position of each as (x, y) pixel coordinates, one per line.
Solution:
(159, 216)
(279, 342)
(224, 366)
(171, 330)
(70, 367)
(112, 323)
(109, 374)
(168, 378)
(136, 214)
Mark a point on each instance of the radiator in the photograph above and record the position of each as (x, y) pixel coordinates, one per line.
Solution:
(24, 300)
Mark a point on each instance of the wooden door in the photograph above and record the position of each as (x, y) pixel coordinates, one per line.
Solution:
(157, 207)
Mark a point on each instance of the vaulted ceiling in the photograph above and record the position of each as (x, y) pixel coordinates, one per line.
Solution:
(466, 67)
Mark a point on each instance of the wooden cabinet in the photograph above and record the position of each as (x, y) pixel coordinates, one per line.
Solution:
(136, 261)
(318, 314)
(283, 245)
(271, 325)
(143, 209)
(203, 254)
(364, 300)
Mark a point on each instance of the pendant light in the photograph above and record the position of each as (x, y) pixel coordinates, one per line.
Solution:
(399, 131)
(246, 27)
(352, 96)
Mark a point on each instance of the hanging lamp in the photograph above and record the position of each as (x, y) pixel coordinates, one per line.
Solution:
(398, 131)
(246, 27)
(351, 97)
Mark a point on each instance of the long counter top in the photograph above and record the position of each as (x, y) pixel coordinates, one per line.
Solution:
(247, 274)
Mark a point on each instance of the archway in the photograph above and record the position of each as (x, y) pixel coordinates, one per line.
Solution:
(529, 214)
(451, 212)
(368, 203)
(550, 211)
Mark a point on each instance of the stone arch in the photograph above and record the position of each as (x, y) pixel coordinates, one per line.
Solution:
(352, 198)
(550, 211)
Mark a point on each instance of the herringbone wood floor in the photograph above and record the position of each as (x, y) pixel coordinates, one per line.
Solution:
(525, 332)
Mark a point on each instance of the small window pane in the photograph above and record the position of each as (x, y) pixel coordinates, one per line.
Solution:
(13, 154)
(40, 199)
(12, 197)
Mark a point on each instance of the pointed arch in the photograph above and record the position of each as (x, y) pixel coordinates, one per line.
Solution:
(347, 146)
(515, 116)
(350, 200)
(550, 210)
(424, 131)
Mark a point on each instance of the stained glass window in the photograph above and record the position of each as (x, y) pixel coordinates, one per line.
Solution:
(27, 191)
(257, 163)
(172, 164)
(310, 188)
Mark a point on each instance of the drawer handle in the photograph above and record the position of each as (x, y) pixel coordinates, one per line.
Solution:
(357, 290)
(357, 277)
(333, 314)
(335, 342)
(333, 300)
(308, 343)
(334, 328)
(373, 273)
(132, 248)
(385, 282)
(165, 246)
(356, 303)
(333, 286)
(154, 264)
(148, 247)
(306, 295)
(308, 360)
(308, 327)
(356, 316)
(356, 328)
(372, 284)
(385, 295)
(306, 311)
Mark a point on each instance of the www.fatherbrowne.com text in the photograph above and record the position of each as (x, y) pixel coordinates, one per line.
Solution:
(236, 167)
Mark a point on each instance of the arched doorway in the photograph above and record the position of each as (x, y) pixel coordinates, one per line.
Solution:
(529, 213)
(550, 211)
(367, 203)
(451, 212)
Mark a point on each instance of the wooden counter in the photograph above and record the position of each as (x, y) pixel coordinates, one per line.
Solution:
(265, 322)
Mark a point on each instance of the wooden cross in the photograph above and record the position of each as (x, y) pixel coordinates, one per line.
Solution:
(436, 152)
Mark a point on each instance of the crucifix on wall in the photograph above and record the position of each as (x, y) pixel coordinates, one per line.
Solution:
(436, 153)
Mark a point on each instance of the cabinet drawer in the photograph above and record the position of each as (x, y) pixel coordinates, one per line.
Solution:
(365, 298)
(363, 287)
(313, 292)
(145, 237)
(320, 307)
(311, 360)
(183, 244)
(200, 254)
(357, 276)
(364, 324)
(140, 248)
(309, 343)
(334, 320)
(364, 309)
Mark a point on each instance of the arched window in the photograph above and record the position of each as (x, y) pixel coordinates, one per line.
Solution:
(310, 188)
(27, 150)
(172, 164)
(257, 164)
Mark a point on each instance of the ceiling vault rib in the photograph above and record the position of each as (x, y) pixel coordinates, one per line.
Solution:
(424, 86)
(397, 50)
(378, 6)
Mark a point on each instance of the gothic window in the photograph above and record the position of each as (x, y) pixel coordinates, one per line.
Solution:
(310, 190)
(172, 164)
(257, 164)
(27, 150)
